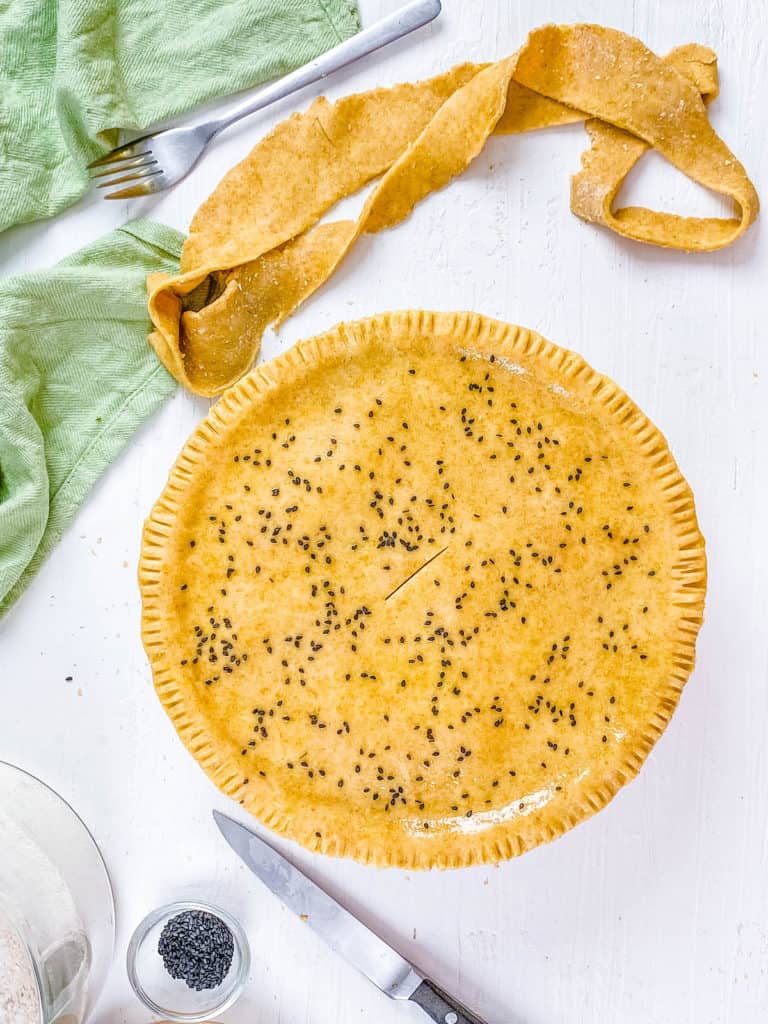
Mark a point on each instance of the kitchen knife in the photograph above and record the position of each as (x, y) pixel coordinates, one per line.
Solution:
(347, 936)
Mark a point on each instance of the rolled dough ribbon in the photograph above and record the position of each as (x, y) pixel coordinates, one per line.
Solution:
(256, 250)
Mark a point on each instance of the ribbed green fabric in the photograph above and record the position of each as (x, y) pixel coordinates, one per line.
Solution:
(77, 378)
(73, 72)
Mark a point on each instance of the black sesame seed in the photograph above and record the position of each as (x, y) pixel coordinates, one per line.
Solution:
(197, 947)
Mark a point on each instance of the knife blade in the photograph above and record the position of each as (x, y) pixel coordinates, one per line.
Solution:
(341, 930)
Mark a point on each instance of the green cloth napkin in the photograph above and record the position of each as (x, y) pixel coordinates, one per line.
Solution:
(77, 378)
(73, 72)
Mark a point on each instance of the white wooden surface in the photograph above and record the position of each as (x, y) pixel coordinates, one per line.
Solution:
(654, 912)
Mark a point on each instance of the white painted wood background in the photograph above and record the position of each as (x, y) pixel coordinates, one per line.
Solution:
(654, 912)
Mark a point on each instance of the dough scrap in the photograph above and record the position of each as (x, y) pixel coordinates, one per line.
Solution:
(256, 251)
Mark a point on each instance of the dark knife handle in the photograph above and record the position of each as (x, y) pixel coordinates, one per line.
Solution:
(441, 1007)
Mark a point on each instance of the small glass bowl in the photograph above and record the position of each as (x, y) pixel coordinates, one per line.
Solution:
(171, 997)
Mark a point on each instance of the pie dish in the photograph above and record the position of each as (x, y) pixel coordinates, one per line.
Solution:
(423, 591)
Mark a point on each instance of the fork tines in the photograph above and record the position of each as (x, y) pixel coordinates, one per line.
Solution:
(130, 163)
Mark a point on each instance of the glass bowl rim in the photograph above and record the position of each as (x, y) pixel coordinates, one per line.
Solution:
(169, 910)
(105, 878)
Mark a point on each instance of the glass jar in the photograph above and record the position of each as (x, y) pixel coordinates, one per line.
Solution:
(56, 907)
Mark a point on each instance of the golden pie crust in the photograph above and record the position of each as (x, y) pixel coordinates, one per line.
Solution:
(423, 591)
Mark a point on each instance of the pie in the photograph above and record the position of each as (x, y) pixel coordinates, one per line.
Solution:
(423, 591)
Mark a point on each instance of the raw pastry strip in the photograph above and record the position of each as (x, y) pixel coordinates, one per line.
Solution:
(256, 251)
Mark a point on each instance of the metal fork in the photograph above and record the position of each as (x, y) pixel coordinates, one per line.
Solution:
(157, 161)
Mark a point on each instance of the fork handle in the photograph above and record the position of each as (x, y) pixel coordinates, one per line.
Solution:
(387, 30)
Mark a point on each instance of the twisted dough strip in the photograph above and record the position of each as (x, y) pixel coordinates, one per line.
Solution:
(255, 250)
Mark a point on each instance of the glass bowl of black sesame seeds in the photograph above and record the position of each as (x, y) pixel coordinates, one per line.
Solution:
(188, 961)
